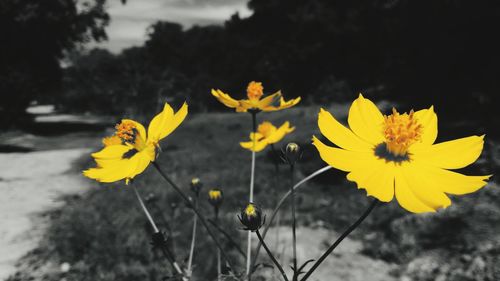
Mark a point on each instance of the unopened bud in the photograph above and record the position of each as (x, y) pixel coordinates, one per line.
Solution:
(292, 153)
(196, 185)
(215, 197)
(251, 217)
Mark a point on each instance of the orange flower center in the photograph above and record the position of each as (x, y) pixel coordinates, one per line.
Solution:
(401, 131)
(126, 131)
(255, 90)
(266, 129)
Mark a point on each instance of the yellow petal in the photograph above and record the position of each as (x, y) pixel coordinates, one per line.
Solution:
(339, 134)
(428, 119)
(376, 176)
(424, 187)
(405, 196)
(112, 152)
(453, 154)
(225, 98)
(120, 170)
(342, 159)
(165, 122)
(259, 145)
(280, 133)
(366, 121)
(143, 160)
(283, 104)
(269, 100)
(452, 182)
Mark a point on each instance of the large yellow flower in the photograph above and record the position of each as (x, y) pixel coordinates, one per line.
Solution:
(267, 134)
(129, 151)
(396, 155)
(254, 102)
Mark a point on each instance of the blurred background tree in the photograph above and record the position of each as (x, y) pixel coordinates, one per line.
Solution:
(35, 35)
(419, 53)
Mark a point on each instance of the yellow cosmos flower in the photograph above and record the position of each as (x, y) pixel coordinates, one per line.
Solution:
(396, 155)
(129, 151)
(255, 91)
(267, 134)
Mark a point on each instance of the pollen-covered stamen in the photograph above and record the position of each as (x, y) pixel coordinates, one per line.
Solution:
(255, 90)
(127, 132)
(401, 131)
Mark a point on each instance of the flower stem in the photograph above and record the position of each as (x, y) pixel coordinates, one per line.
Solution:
(197, 212)
(252, 180)
(193, 241)
(339, 240)
(275, 193)
(168, 255)
(280, 268)
(145, 210)
(294, 235)
(281, 202)
(219, 267)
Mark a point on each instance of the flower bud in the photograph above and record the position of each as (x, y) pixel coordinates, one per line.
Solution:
(251, 217)
(196, 185)
(215, 197)
(292, 153)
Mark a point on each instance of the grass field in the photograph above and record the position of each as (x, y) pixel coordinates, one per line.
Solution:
(103, 234)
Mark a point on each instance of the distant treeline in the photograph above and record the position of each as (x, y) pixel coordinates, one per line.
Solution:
(416, 52)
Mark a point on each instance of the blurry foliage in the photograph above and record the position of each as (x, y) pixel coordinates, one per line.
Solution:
(35, 35)
(423, 52)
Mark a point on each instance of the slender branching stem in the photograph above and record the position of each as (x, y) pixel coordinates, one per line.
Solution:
(278, 265)
(197, 212)
(228, 237)
(193, 241)
(166, 252)
(252, 181)
(281, 202)
(294, 227)
(339, 240)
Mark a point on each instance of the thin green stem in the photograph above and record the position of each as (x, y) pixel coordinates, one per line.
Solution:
(252, 181)
(294, 227)
(281, 202)
(339, 240)
(278, 265)
(198, 213)
(193, 241)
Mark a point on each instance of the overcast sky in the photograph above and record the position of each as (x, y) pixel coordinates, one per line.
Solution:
(129, 22)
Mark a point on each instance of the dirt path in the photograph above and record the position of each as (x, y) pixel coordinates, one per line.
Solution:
(34, 180)
(345, 264)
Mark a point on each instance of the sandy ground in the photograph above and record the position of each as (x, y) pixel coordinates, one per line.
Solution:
(32, 182)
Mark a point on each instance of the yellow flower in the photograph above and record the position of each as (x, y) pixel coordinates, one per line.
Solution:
(267, 134)
(254, 102)
(396, 155)
(129, 151)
